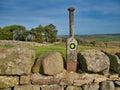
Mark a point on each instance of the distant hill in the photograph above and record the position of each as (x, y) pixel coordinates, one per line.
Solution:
(97, 37)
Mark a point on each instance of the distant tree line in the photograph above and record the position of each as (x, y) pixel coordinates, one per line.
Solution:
(39, 34)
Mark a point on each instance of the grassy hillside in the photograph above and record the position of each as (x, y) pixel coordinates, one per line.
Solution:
(40, 50)
(98, 37)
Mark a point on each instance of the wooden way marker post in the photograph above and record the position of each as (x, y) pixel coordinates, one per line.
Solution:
(71, 46)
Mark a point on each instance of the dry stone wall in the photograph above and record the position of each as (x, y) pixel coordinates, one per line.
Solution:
(98, 43)
(20, 71)
(14, 43)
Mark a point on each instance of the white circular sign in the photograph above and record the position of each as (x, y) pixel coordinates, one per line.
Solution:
(72, 45)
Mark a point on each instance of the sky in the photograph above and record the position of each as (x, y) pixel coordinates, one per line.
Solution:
(90, 16)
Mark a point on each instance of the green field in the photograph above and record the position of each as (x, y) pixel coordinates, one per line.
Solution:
(97, 37)
(41, 50)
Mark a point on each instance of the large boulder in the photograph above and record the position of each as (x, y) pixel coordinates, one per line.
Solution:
(49, 64)
(16, 61)
(93, 61)
(114, 62)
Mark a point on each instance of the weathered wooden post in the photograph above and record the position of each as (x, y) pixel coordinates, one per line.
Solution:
(71, 46)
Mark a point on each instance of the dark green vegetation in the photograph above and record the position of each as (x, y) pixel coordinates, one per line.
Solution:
(48, 33)
(39, 34)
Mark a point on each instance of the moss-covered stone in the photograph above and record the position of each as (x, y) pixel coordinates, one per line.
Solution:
(37, 67)
(49, 64)
(8, 81)
(27, 87)
(16, 61)
(114, 62)
(93, 61)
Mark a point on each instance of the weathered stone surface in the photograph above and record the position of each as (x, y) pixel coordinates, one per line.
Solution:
(94, 61)
(25, 79)
(107, 85)
(114, 62)
(72, 66)
(16, 61)
(117, 88)
(52, 63)
(72, 76)
(64, 78)
(73, 88)
(117, 82)
(68, 78)
(89, 78)
(91, 87)
(114, 77)
(6, 89)
(81, 82)
(27, 87)
(37, 68)
(65, 82)
(61, 75)
(118, 54)
(49, 64)
(8, 81)
(38, 79)
(52, 87)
